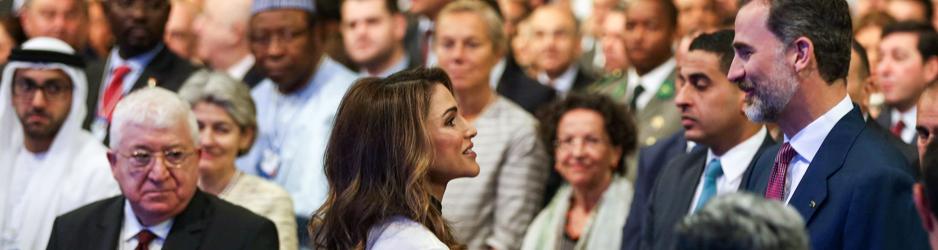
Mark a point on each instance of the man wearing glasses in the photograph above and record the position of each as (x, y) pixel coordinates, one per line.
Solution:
(154, 157)
(48, 164)
(295, 104)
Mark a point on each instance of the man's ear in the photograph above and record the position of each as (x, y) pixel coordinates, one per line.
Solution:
(930, 70)
(922, 207)
(804, 52)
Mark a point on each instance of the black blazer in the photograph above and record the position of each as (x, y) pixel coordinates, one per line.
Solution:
(169, 70)
(521, 89)
(650, 162)
(207, 223)
(254, 76)
(885, 122)
(582, 81)
(854, 194)
(674, 191)
(908, 151)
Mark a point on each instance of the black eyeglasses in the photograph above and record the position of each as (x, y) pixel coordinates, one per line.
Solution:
(52, 90)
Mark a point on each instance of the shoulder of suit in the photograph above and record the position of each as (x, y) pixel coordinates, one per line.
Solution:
(91, 210)
(234, 214)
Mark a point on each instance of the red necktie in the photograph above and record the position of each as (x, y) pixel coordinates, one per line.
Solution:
(144, 237)
(776, 188)
(113, 93)
(897, 128)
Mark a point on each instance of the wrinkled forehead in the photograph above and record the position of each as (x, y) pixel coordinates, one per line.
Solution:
(154, 136)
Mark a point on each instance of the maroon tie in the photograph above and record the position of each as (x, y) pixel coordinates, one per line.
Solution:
(897, 128)
(144, 237)
(776, 188)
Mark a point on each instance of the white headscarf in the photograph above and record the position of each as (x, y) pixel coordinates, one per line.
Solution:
(75, 170)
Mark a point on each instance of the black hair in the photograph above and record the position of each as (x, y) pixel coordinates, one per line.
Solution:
(864, 60)
(825, 22)
(720, 43)
(927, 38)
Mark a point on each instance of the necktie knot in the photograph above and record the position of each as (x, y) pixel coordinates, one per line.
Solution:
(144, 237)
(713, 171)
(633, 103)
(897, 128)
(775, 190)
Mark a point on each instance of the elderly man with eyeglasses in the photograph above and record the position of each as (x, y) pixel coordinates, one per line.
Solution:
(154, 157)
(49, 164)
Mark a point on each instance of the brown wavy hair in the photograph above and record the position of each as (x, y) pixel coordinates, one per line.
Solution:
(377, 161)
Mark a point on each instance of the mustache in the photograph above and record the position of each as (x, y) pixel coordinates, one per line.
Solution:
(38, 112)
(744, 84)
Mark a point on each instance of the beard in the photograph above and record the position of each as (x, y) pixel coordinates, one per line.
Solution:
(770, 98)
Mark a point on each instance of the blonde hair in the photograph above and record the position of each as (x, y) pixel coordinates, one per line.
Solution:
(494, 24)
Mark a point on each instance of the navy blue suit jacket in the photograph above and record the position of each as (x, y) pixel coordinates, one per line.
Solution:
(650, 162)
(854, 194)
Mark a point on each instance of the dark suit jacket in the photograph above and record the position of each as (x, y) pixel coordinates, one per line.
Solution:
(673, 192)
(206, 223)
(412, 39)
(650, 162)
(854, 194)
(254, 76)
(908, 151)
(885, 121)
(526, 92)
(582, 81)
(166, 68)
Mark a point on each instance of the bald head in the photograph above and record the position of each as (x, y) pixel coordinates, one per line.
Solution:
(556, 39)
(927, 119)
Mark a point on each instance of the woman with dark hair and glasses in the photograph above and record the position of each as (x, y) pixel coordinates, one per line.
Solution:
(395, 145)
(590, 135)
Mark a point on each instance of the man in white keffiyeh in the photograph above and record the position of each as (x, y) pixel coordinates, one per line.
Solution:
(48, 164)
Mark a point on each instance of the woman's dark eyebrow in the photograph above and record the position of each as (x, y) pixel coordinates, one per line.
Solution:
(451, 109)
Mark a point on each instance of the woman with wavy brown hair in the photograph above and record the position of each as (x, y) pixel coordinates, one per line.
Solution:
(396, 143)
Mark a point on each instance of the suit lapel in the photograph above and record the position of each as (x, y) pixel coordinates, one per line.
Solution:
(684, 195)
(109, 227)
(767, 142)
(188, 225)
(161, 60)
(812, 190)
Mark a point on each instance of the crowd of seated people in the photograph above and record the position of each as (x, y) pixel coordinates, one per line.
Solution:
(468, 124)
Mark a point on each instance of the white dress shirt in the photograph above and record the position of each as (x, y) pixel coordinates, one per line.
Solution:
(563, 83)
(651, 81)
(908, 117)
(397, 67)
(808, 141)
(131, 227)
(734, 163)
(241, 68)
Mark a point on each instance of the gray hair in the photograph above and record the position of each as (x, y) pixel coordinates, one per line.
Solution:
(154, 107)
(743, 221)
(220, 89)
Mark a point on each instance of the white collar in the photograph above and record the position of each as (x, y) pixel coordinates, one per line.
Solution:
(132, 225)
(907, 117)
(241, 68)
(737, 159)
(397, 67)
(562, 83)
(808, 141)
(651, 81)
(497, 71)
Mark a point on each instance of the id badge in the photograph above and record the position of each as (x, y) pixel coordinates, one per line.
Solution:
(270, 163)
